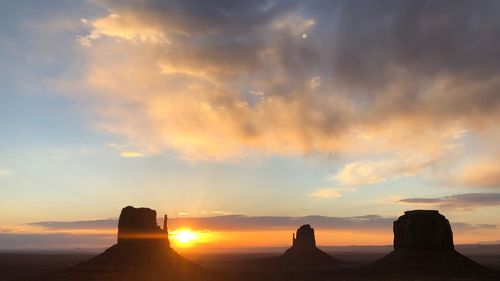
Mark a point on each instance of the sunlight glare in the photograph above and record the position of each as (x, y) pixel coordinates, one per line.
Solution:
(185, 236)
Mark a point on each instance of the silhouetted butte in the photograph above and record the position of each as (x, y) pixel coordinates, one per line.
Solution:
(423, 244)
(142, 252)
(304, 251)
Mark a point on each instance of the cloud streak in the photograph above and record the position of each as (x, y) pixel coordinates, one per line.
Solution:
(458, 201)
(252, 223)
(54, 241)
(371, 172)
(326, 193)
(481, 173)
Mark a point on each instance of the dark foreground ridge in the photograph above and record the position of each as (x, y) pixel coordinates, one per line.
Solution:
(423, 245)
(142, 252)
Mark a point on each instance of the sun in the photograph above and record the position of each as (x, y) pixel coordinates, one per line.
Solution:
(185, 236)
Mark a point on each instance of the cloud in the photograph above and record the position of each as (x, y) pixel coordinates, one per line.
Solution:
(481, 173)
(238, 223)
(124, 151)
(326, 193)
(458, 201)
(127, 28)
(460, 226)
(250, 223)
(82, 224)
(130, 154)
(10, 241)
(371, 172)
(183, 76)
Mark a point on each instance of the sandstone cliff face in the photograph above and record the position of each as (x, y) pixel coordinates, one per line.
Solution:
(143, 252)
(422, 230)
(139, 225)
(305, 237)
(423, 244)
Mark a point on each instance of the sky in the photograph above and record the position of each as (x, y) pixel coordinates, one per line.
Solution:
(242, 120)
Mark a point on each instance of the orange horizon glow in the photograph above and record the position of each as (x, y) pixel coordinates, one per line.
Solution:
(227, 240)
(188, 239)
(283, 238)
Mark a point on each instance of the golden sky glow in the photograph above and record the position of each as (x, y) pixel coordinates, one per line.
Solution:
(184, 237)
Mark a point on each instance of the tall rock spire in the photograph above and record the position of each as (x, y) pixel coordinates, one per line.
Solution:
(165, 224)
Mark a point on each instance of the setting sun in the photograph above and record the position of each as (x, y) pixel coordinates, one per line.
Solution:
(185, 236)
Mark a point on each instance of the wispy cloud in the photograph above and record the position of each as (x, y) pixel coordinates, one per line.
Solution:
(371, 172)
(125, 151)
(130, 154)
(249, 223)
(122, 27)
(239, 223)
(480, 173)
(458, 201)
(326, 193)
(355, 174)
(460, 226)
(53, 241)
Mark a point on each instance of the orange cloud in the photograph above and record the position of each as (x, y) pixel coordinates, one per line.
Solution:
(326, 193)
(131, 154)
(371, 172)
(122, 27)
(481, 173)
(187, 82)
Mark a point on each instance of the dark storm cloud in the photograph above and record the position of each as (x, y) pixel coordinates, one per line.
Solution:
(428, 36)
(459, 201)
(201, 17)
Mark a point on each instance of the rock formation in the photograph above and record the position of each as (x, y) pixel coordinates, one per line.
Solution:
(423, 244)
(139, 225)
(422, 230)
(304, 251)
(142, 252)
(305, 237)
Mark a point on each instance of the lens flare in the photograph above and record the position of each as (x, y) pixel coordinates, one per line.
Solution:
(185, 236)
